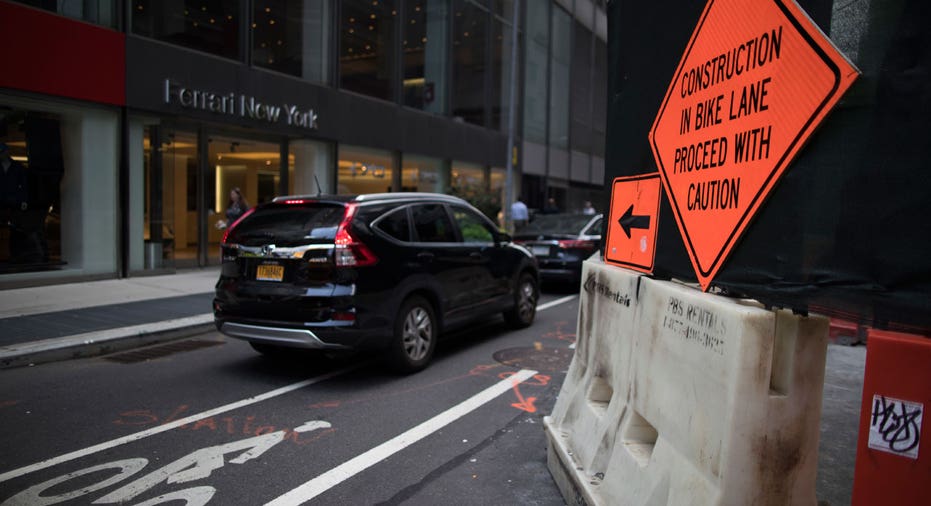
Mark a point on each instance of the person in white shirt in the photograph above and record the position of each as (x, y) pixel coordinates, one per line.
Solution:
(519, 214)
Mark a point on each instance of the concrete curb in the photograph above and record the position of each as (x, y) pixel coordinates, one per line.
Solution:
(93, 344)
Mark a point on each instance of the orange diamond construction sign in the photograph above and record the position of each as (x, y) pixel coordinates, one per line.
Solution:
(756, 80)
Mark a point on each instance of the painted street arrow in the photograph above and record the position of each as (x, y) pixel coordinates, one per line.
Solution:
(631, 220)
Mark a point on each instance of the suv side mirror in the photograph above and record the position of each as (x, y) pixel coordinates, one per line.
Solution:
(503, 238)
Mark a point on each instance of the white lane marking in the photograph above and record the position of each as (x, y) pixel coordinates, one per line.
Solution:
(556, 302)
(354, 466)
(173, 425)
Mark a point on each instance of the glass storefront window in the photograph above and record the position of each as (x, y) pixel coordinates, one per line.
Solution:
(469, 66)
(31, 170)
(468, 181)
(212, 26)
(364, 170)
(366, 53)
(237, 167)
(292, 37)
(421, 174)
(424, 47)
(100, 12)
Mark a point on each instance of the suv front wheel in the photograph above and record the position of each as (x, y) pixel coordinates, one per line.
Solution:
(415, 334)
(525, 303)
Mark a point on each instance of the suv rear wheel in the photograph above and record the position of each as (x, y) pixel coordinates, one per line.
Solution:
(415, 333)
(525, 303)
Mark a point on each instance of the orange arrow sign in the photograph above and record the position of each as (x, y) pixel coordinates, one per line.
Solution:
(755, 81)
(633, 221)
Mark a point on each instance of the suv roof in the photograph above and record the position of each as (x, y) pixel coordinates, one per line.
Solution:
(373, 197)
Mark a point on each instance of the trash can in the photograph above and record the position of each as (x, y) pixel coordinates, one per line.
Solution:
(153, 254)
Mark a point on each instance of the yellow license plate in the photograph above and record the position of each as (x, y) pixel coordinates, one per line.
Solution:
(269, 272)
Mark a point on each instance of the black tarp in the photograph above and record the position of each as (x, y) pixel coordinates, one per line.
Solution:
(844, 232)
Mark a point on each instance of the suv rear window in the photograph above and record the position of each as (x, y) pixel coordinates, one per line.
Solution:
(288, 224)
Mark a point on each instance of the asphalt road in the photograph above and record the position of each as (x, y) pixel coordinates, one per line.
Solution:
(209, 420)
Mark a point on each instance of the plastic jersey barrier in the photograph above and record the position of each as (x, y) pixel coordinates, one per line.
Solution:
(679, 397)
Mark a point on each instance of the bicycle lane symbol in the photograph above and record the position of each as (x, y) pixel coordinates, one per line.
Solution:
(195, 466)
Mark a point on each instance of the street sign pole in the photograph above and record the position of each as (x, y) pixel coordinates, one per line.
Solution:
(512, 93)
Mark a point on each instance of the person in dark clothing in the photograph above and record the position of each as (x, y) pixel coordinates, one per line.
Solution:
(13, 185)
(550, 207)
(14, 197)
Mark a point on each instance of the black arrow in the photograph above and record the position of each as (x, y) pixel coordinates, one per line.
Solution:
(631, 220)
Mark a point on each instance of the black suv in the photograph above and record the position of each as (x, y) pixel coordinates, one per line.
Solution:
(381, 271)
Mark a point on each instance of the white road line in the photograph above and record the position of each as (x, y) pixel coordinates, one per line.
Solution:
(173, 425)
(556, 302)
(354, 466)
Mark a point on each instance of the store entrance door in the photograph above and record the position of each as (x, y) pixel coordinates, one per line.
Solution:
(241, 172)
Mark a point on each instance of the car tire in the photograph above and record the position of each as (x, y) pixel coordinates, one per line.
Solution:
(525, 302)
(415, 334)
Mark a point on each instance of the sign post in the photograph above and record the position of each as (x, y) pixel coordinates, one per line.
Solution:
(755, 81)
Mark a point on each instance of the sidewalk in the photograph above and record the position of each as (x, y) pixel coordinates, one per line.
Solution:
(48, 323)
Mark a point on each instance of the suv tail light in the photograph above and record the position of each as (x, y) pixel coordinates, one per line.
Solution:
(349, 252)
(231, 226)
(576, 243)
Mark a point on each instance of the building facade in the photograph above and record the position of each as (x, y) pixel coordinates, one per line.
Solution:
(130, 123)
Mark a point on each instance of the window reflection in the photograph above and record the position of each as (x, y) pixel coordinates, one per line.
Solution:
(101, 12)
(421, 174)
(206, 26)
(469, 28)
(424, 47)
(364, 170)
(292, 37)
(366, 46)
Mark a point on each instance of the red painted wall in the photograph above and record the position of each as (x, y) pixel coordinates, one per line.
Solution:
(51, 54)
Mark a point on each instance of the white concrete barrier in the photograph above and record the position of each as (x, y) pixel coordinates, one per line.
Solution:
(675, 396)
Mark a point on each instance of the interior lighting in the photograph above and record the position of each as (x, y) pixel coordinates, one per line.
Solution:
(372, 16)
(271, 21)
(212, 21)
(352, 30)
(268, 9)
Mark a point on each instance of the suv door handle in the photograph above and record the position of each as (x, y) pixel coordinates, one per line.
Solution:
(475, 255)
(425, 256)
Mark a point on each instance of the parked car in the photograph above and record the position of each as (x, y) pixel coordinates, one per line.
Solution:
(561, 242)
(368, 272)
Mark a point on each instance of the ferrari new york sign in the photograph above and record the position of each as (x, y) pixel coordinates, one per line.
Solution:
(756, 79)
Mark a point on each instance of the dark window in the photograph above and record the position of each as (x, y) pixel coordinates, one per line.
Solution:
(423, 43)
(101, 12)
(285, 225)
(473, 228)
(396, 224)
(292, 37)
(366, 53)
(432, 224)
(469, 28)
(206, 26)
